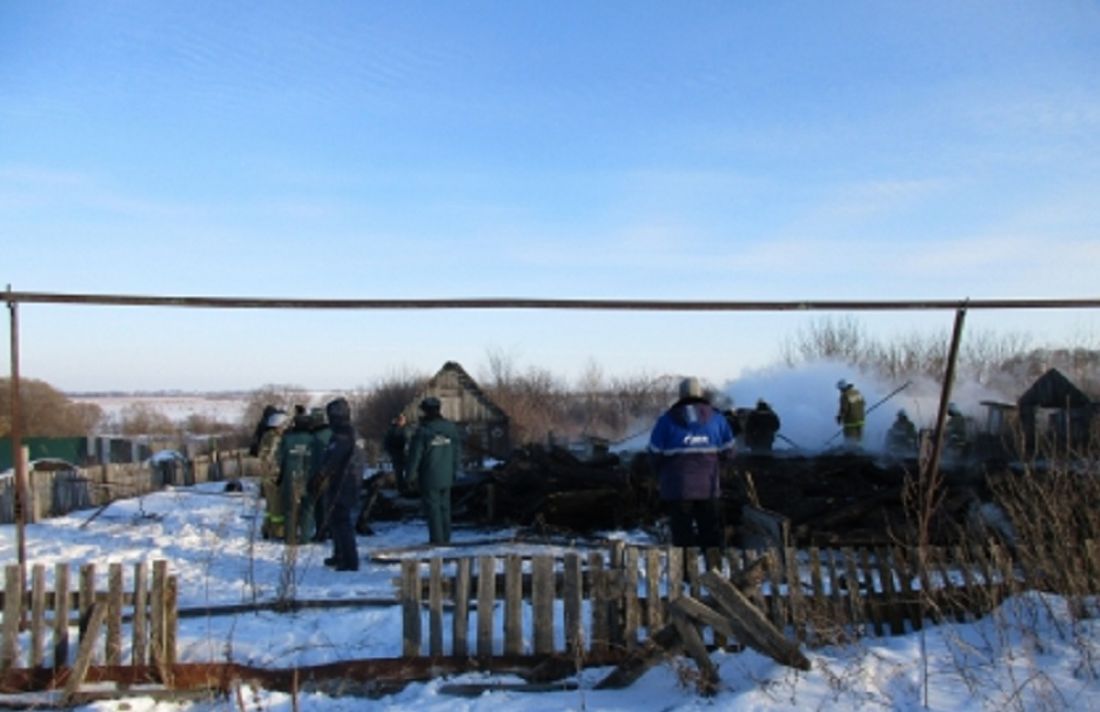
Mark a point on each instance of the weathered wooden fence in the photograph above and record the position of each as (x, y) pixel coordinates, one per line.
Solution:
(609, 600)
(57, 492)
(36, 627)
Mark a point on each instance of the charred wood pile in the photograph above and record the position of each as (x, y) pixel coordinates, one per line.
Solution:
(834, 499)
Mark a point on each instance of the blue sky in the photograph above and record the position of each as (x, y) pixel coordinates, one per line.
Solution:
(696, 150)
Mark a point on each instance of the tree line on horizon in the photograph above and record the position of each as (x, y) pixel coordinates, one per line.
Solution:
(542, 405)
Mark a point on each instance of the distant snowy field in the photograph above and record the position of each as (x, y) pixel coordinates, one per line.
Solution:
(225, 408)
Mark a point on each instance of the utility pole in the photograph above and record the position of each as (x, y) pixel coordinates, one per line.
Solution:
(17, 442)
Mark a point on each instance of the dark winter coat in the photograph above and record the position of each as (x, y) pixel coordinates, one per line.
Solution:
(435, 453)
(686, 444)
(340, 484)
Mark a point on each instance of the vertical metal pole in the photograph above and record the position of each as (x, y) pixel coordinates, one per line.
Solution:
(945, 396)
(17, 441)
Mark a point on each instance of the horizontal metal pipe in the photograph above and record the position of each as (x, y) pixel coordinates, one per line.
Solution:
(534, 303)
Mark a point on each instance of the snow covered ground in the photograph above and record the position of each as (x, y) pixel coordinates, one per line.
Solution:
(1028, 655)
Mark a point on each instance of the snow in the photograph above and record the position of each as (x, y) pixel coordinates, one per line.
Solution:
(1029, 654)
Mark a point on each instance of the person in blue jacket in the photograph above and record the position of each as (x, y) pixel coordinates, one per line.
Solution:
(687, 444)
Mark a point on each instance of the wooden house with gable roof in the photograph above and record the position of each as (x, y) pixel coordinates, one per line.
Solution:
(484, 423)
(1054, 411)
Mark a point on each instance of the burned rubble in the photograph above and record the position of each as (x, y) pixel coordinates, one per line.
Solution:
(837, 498)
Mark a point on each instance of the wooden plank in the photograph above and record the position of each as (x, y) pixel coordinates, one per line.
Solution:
(435, 606)
(171, 624)
(704, 615)
(139, 645)
(693, 645)
(909, 601)
(613, 578)
(410, 608)
(461, 622)
(675, 559)
(871, 596)
(778, 602)
(632, 609)
(598, 603)
(114, 614)
(755, 559)
(486, 596)
(691, 569)
(13, 614)
(890, 601)
(513, 605)
(61, 617)
(38, 616)
(820, 617)
(86, 596)
(573, 596)
(752, 626)
(157, 613)
(653, 606)
(857, 609)
(542, 598)
(85, 652)
(715, 561)
(835, 601)
(795, 598)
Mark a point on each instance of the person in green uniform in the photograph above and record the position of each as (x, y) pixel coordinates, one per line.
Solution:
(435, 454)
(296, 455)
(850, 413)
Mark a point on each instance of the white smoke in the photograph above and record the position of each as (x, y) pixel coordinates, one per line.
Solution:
(806, 399)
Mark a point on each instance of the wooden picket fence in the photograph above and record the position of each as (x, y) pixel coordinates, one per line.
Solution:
(37, 622)
(609, 600)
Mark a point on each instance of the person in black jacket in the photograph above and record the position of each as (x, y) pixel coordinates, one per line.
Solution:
(761, 427)
(341, 486)
(395, 443)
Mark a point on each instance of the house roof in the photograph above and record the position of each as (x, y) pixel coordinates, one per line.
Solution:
(1054, 390)
(467, 383)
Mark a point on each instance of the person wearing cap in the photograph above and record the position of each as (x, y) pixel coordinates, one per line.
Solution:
(850, 413)
(687, 444)
(901, 438)
(341, 486)
(296, 460)
(435, 455)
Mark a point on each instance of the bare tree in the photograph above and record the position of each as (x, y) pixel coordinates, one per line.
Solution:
(47, 412)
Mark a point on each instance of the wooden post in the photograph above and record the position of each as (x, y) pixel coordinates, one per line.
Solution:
(542, 597)
(513, 605)
(38, 616)
(139, 646)
(114, 614)
(632, 612)
(61, 617)
(872, 597)
(171, 623)
(156, 605)
(820, 614)
(461, 621)
(693, 644)
(573, 596)
(87, 595)
(597, 597)
(13, 614)
(794, 593)
(654, 608)
(857, 613)
(486, 594)
(435, 606)
(675, 558)
(890, 603)
(410, 607)
(778, 606)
